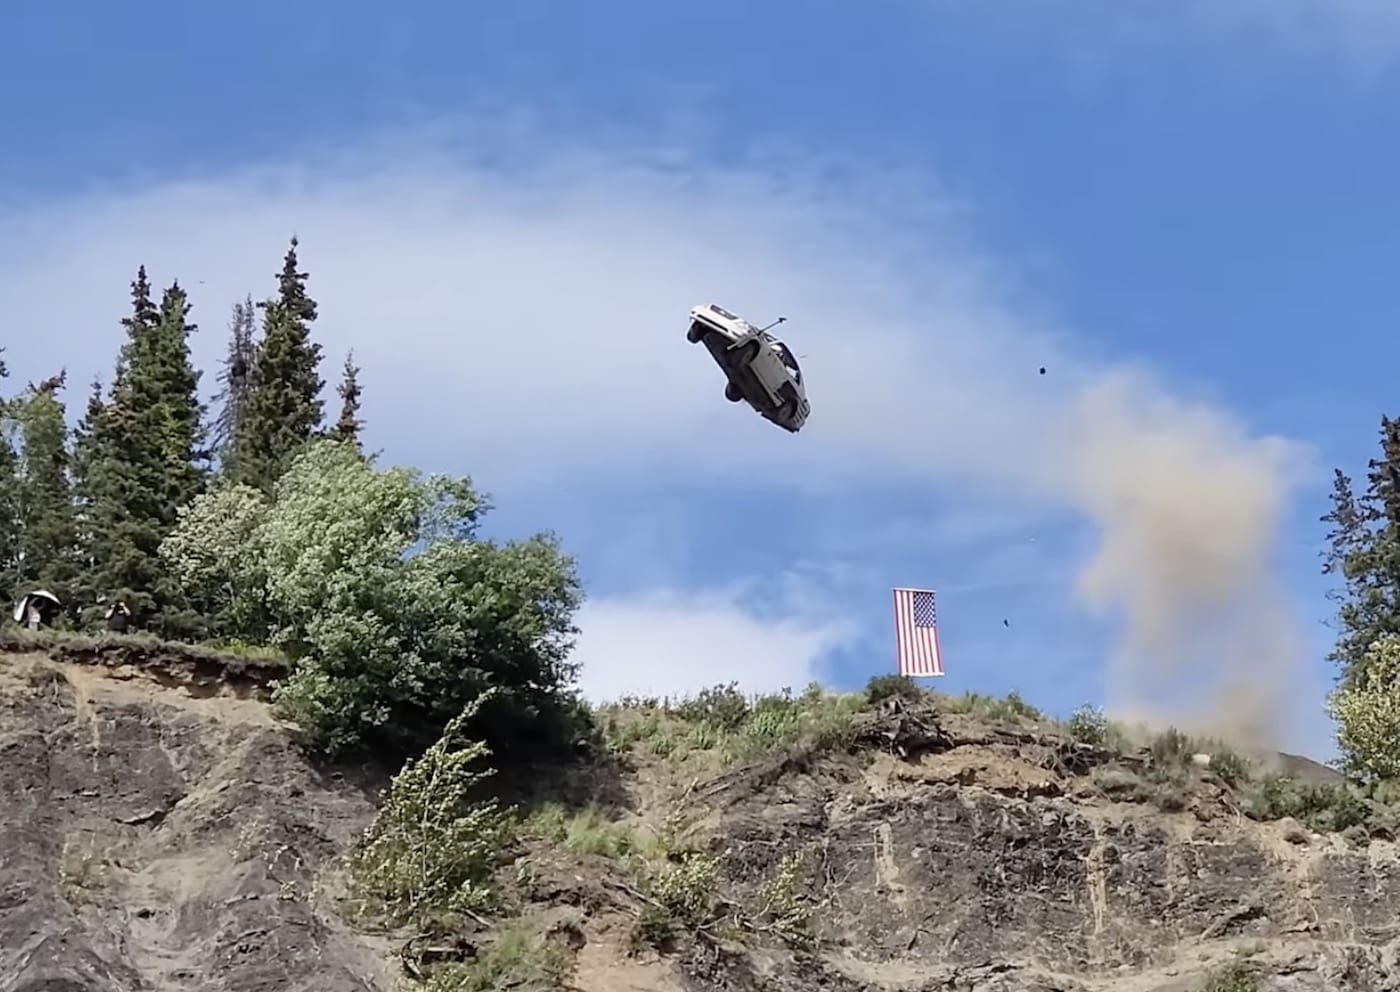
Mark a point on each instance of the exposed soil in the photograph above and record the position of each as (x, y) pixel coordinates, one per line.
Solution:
(159, 831)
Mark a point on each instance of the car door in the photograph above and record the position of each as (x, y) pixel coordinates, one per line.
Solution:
(768, 368)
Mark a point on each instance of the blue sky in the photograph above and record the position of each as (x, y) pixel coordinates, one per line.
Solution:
(941, 197)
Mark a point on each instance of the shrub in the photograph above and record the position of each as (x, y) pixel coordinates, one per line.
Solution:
(882, 687)
(723, 707)
(1088, 725)
(432, 849)
(516, 960)
(723, 722)
(1367, 711)
(1120, 782)
(787, 909)
(681, 898)
(589, 831)
(1324, 808)
(396, 614)
(1015, 706)
(1236, 977)
(1171, 749)
(1229, 767)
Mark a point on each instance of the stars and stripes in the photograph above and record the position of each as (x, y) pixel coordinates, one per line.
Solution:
(916, 634)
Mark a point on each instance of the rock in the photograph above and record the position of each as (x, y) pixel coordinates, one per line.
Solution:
(1294, 832)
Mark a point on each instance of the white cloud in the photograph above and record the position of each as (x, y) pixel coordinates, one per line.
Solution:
(527, 325)
(667, 643)
(1364, 28)
(1362, 35)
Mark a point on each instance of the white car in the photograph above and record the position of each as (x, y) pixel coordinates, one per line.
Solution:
(761, 369)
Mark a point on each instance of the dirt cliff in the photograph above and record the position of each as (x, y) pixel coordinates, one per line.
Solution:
(158, 831)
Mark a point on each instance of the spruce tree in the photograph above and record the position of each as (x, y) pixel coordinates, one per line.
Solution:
(140, 457)
(180, 420)
(347, 427)
(9, 494)
(121, 470)
(1364, 550)
(236, 380)
(48, 526)
(284, 411)
(88, 436)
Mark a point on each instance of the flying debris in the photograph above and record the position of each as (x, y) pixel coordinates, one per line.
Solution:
(1006, 623)
(1042, 370)
(760, 369)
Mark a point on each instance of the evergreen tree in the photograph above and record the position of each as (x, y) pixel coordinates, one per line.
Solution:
(88, 435)
(1364, 550)
(236, 378)
(179, 422)
(285, 409)
(347, 427)
(48, 525)
(140, 455)
(9, 494)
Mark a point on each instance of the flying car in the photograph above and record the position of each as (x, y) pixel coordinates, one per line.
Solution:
(761, 370)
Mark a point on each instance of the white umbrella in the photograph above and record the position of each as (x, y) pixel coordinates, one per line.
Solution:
(22, 607)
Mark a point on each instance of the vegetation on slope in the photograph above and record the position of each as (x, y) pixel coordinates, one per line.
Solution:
(686, 888)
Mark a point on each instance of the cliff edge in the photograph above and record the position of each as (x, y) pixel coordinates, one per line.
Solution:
(160, 831)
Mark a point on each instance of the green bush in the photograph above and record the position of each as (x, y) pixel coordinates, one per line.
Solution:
(723, 707)
(517, 960)
(1236, 977)
(590, 831)
(882, 687)
(723, 722)
(433, 848)
(681, 898)
(1324, 808)
(396, 615)
(1367, 711)
(1229, 767)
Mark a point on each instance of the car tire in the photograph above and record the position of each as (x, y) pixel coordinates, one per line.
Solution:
(732, 394)
(695, 334)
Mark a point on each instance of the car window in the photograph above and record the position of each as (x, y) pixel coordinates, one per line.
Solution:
(786, 357)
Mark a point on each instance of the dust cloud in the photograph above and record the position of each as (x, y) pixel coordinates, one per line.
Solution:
(1189, 508)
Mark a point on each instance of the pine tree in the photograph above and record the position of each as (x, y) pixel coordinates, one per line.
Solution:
(48, 526)
(347, 427)
(236, 378)
(1364, 550)
(285, 409)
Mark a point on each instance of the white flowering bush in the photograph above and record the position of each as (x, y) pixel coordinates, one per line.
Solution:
(214, 555)
(396, 614)
(1367, 711)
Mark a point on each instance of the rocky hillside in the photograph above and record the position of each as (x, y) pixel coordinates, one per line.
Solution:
(160, 831)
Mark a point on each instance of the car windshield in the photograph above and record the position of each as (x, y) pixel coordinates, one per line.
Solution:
(787, 359)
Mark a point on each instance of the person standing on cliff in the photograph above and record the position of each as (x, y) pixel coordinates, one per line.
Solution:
(117, 617)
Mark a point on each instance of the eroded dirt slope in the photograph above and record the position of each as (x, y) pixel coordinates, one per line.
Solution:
(950, 855)
(153, 840)
(158, 834)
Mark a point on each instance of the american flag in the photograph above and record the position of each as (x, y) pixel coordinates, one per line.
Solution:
(916, 633)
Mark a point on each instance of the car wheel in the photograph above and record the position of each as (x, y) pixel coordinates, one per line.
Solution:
(732, 394)
(696, 334)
